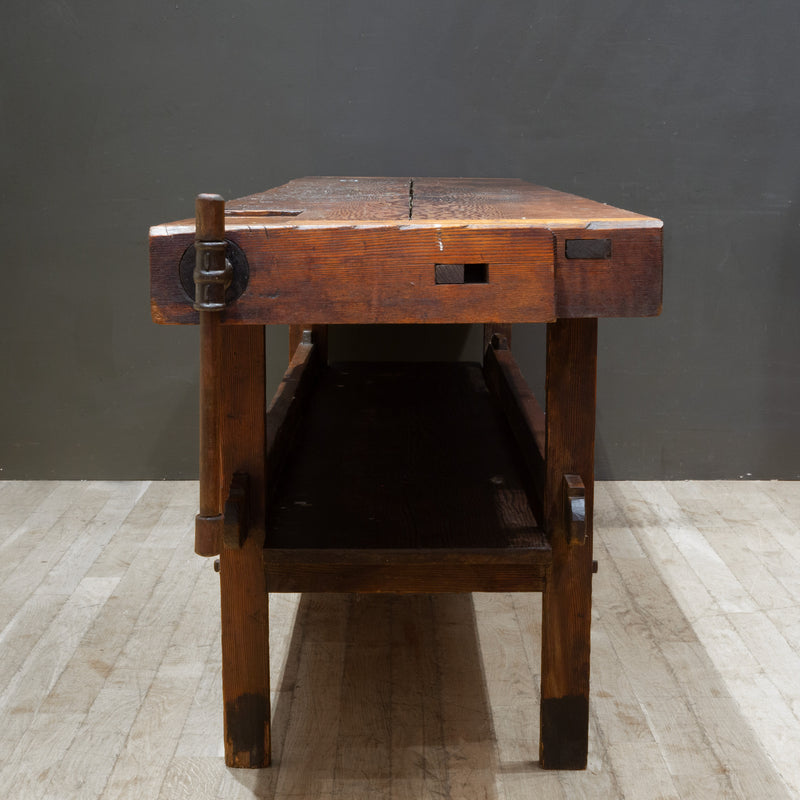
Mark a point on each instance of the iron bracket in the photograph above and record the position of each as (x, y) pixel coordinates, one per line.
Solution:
(213, 274)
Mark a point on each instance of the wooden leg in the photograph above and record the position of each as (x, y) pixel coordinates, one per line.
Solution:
(245, 620)
(566, 615)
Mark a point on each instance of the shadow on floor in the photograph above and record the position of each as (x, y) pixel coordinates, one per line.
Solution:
(381, 691)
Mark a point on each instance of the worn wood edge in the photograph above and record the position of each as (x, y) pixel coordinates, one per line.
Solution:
(247, 223)
(525, 418)
(606, 224)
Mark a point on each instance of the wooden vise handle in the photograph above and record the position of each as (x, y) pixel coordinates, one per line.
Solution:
(212, 276)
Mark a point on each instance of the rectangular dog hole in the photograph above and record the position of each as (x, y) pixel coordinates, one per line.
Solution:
(261, 212)
(462, 273)
(587, 248)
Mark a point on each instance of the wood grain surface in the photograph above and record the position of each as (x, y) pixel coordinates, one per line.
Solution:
(364, 250)
(571, 383)
(244, 604)
(416, 199)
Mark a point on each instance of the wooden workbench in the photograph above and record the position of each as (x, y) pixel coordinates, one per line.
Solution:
(401, 477)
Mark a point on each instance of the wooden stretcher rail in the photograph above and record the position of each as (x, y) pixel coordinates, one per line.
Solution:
(524, 415)
(404, 572)
(537, 551)
(286, 410)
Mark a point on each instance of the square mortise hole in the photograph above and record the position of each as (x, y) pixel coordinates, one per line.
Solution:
(462, 273)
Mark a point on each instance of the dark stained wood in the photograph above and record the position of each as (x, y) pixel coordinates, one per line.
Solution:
(529, 549)
(395, 456)
(628, 284)
(525, 418)
(429, 570)
(398, 577)
(422, 492)
(353, 254)
(399, 477)
(245, 635)
(583, 248)
(566, 608)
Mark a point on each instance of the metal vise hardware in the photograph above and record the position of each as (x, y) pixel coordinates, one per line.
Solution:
(213, 274)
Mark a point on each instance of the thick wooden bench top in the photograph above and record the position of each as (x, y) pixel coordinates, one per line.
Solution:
(360, 249)
(425, 201)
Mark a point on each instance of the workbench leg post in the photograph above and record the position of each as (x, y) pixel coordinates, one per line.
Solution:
(243, 590)
(567, 604)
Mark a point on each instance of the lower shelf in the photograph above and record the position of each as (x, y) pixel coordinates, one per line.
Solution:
(403, 478)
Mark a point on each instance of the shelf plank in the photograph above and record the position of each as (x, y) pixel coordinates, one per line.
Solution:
(397, 458)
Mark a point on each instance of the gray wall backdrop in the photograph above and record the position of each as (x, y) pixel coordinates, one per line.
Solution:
(115, 114)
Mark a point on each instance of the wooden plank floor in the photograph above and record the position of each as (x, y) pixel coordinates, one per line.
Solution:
(110, 660)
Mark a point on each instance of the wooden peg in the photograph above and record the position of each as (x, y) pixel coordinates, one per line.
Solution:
(234, 529)
(575, 509)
